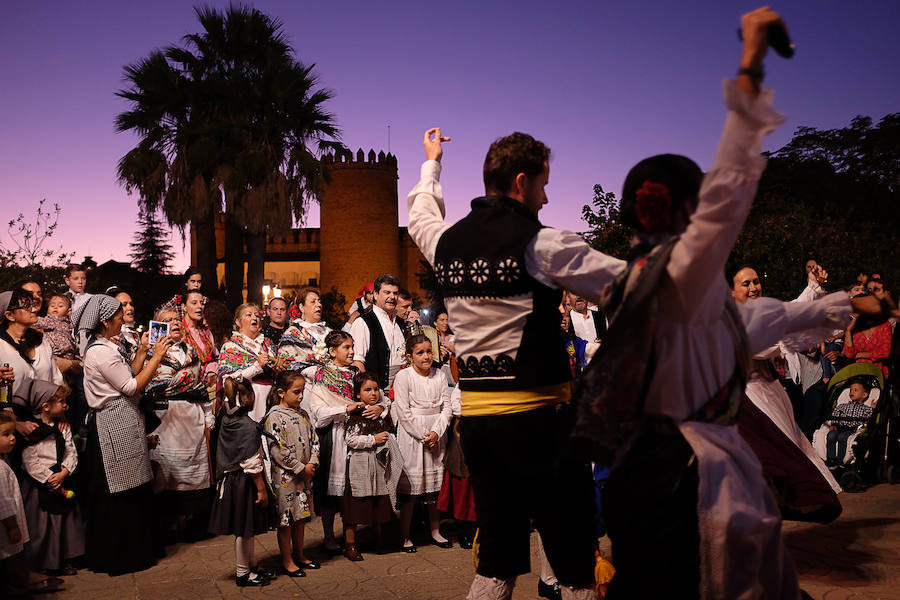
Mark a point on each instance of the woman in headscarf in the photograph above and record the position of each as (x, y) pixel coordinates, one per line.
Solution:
(119, 501)
(23, 348)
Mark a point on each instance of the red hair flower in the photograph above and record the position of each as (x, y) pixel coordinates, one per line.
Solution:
(294, 312)
(652, 205)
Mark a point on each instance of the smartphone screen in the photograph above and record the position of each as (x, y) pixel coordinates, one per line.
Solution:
(158, 330)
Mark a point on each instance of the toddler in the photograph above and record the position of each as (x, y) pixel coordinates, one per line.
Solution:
(57, 328)
(840, 429)
(49, 458)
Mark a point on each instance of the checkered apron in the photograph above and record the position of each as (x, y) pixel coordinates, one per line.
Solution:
(123, 445)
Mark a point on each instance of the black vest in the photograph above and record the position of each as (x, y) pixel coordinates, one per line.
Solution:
(378, 355)
(483, 256)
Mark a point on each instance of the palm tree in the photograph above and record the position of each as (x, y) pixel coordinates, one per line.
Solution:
(166, 167)
(241, 133)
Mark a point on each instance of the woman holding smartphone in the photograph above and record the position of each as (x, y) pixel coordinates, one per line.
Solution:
(119, 502)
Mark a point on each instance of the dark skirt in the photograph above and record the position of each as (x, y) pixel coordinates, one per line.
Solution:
(650, 505)
(426, 498)
(120, 527)
(55, 538)
(457, 498)
(234, 509)
(321, 500)
(803, 494)
(184, 502)
(370, 510)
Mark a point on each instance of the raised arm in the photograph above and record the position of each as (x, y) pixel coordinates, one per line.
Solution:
(698, 259)
(426, 200)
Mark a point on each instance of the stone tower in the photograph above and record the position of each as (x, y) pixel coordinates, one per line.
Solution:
(360, 239)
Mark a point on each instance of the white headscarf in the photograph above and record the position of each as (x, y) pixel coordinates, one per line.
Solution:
(96, 309)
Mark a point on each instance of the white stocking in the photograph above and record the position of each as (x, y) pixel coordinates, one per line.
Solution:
(490, 588)
(547, 574)
(569, 593)
(243, 555)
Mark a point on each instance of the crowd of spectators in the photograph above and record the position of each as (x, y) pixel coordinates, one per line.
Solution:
(108, 429)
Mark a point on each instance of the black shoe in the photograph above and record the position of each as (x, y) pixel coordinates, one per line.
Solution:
(445, 544)
(466, 542)
(333, 551)
(263, 573)
(297, 573)
(310, 564)
(66, 571)
(409, 549)
(545, 590)
(257, 581)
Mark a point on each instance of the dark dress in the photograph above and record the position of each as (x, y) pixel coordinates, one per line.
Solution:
(234, 509)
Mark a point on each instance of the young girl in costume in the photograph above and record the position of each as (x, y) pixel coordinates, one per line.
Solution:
(330, 404)
(294, 450)
(422, 404)
(49, 457)
(374, 463)
(241, 496)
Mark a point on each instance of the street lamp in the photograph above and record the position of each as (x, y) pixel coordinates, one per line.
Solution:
(276, 293)
(266, 288)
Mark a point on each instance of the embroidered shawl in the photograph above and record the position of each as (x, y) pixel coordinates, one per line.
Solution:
(240, 352)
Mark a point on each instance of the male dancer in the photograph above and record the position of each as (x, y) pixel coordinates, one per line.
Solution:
(502, 276)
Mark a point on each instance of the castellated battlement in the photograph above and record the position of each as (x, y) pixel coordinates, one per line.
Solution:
(361, 160)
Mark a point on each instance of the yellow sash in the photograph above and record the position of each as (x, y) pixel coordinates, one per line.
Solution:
(479, 404)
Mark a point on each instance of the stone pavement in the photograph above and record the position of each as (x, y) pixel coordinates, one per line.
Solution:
(857, 557)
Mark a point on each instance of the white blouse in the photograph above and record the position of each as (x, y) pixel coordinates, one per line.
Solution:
(106, 374)
(416, 395)
(43, 367)
(38, 458)
(396, 342)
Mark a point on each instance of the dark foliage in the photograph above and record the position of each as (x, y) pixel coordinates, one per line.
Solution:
(151, 251)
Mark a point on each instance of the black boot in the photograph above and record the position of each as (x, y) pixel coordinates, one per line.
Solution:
(545, 590)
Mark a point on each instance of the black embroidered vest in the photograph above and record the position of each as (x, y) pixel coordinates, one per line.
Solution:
(483, 256)
(378, 355)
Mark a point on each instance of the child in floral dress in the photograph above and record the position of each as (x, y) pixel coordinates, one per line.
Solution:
(294, 450)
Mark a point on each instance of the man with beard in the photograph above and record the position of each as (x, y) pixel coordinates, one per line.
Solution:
(378, 341)
(502, 276)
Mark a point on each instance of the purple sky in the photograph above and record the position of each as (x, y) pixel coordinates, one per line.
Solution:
(603, 83)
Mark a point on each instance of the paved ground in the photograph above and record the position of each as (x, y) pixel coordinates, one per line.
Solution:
(857, 557)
